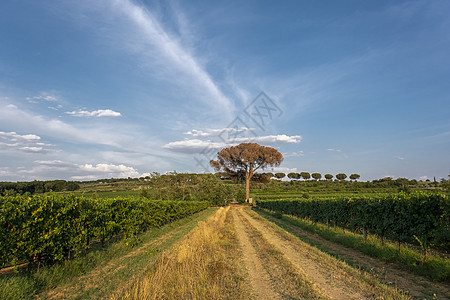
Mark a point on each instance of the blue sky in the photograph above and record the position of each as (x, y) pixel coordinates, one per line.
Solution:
(122, 88)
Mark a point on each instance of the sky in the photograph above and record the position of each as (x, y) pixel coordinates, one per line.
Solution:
(124, 88)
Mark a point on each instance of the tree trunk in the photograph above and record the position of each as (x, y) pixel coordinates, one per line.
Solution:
(247, 187)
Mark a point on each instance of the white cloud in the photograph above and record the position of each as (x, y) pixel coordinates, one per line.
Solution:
(48, 98)
(294, 154)
(96, 113)
(400, 157)
(114, 170)
(198, 133)
(423, 178)
(58, 169)
(33, 149)
(11, 142)
(271, 139)
(193, 146)
(13, 136)
(217, 132)
(206, 146)
(334, 150)
(55, 128)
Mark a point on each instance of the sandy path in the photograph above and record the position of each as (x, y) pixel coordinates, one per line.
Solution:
(259, 279)
(416, 286)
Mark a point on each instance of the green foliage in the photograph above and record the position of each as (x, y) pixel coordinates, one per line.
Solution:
(328, 176)
(316, 176)
(280, 175)
(354, 176)
(192, 187)
(341, 176)
(305, 175)
(294, 175)
(50, 228)
(410, 218)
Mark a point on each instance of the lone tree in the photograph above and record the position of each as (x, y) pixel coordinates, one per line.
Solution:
(328, 176)
(247, 158)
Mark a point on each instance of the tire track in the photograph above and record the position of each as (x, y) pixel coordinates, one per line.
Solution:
(259, 279)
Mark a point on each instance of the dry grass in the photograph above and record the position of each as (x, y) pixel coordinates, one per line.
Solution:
(204, 265)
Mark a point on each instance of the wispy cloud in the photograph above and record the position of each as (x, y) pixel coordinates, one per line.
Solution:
(96, 113)
(68, 170)
(37, 99)
(14, 137)
(217, 132)
(198, 145)
(177, 64)
(30, 143)
(294, 154)
(28, 121)
(193, 146)
(334, 150)
(271, 139)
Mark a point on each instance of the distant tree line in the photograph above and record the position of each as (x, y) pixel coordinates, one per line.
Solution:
(35, 187)
(315, 176)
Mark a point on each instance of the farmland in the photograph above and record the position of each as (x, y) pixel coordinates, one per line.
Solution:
(176, 236)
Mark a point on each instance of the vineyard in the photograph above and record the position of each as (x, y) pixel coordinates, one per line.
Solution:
(51, 228)
(421, 218)
(134, 238)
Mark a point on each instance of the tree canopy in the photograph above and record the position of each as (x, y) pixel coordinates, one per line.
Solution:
(305, 175)
(316, 176)
(341, 176)
(354, 176)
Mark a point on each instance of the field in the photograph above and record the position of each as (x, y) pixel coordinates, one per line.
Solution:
(178, 237)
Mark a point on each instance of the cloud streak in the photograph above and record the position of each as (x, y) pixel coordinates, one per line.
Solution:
(148, 38)
(29, 143)
(26, 121)
(96, 113)
(58, 169)
(198, 146)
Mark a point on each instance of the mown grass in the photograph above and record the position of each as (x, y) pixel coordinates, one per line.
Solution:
(433, 267)
(30, 282)
(204, 265)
